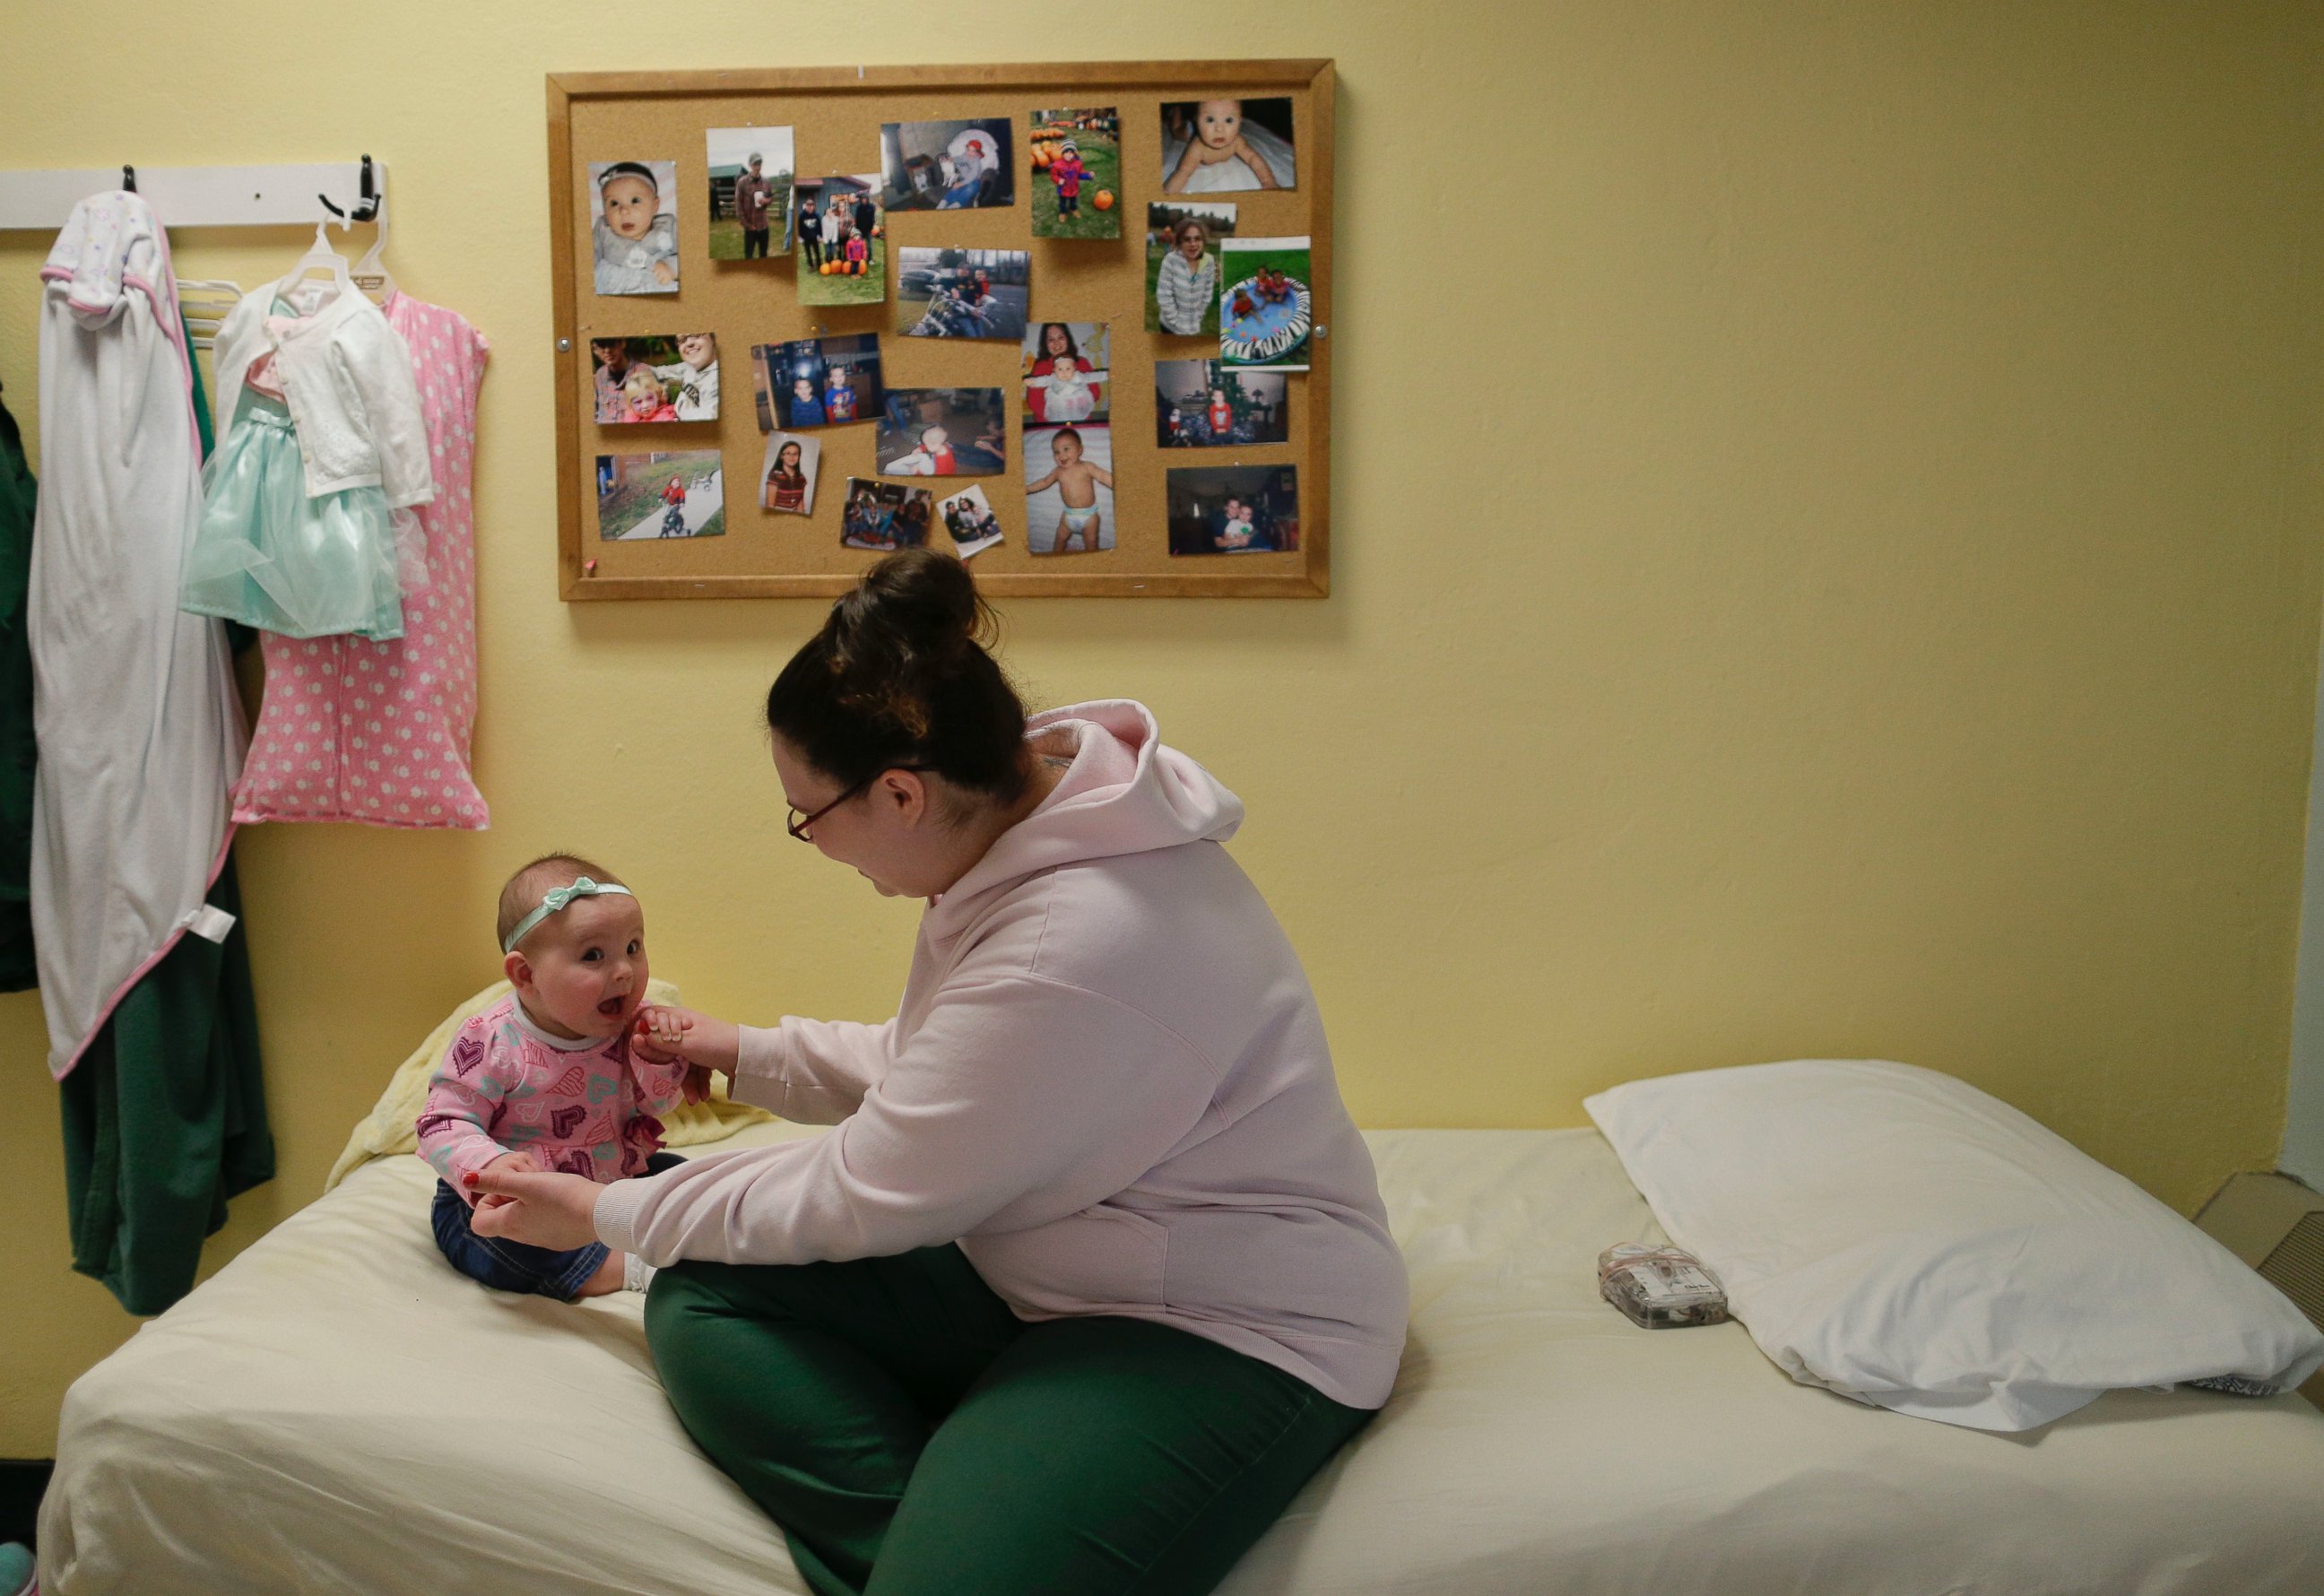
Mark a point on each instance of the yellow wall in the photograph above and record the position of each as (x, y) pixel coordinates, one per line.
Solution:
(1825, 524)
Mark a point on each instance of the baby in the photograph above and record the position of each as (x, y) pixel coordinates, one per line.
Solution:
(934, 457)
(1072, 394)
(697, 374)
(1218, 137)
(1076, 483)
(642, 397)
(546, 1079)
(636, 243)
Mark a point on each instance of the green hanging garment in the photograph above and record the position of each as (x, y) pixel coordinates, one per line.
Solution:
(165, 1115)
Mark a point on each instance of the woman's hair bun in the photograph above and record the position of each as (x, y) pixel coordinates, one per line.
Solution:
(899, 674)
(921, 600)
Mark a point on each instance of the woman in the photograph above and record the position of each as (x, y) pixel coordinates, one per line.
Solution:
(1092, 1273)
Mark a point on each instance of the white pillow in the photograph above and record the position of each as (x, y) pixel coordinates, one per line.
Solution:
(1905, 1239)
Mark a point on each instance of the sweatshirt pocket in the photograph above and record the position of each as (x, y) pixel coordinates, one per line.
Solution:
(1101, 1260)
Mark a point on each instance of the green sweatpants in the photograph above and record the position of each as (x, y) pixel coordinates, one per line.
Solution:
(911, 1435)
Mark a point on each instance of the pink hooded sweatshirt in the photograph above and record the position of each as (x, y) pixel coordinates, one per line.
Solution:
(1107, 1082)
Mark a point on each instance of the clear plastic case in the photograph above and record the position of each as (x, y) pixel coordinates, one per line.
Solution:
(1660, 1287)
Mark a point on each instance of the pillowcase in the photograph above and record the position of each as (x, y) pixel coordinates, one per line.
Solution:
(1904, 1239)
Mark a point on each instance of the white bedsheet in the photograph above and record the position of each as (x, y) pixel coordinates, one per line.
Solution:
(336, 1410)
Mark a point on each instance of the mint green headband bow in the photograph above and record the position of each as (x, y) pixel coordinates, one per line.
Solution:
(556, 899)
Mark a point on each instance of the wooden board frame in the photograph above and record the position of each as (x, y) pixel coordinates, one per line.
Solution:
(1140, 565)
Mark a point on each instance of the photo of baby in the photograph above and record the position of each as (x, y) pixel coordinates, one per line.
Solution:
(1069, 488)
(678, 495)
(1264, 309)
(1234, 510)
(786, 475)
(1182, 266)
(1066, 373)
(1209, 147)
(816, 382)
(885, 515)
(948, 165)
(1202, 404)
(750, 192)
(656, 378)
(842, 257)
(968, 517)
(1077, 172)
(943, 432)
(633, 226)
(962, 293)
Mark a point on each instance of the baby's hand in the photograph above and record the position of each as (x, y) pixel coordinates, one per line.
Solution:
(664, 271)
(515, 1163)
(665, 1035)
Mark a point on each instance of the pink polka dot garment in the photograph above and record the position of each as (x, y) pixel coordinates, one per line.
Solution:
(378, 732)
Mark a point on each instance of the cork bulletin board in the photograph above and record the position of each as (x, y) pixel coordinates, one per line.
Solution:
(835, 115)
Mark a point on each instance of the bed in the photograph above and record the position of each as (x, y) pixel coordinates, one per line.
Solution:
(336, 1410)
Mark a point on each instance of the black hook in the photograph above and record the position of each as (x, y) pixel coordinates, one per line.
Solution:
(367, 206)
(129, 179)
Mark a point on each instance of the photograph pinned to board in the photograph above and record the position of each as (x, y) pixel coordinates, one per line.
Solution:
(968, 518)
(1069, 488)
(943, 432)
(1077, 155)
(1202, 404)
(1213, 146)
(948, 165)
(677, 493)
(655, 377)
(1182, 265)
(787, 474)
(816, 382)
(1265, 310)
(885, 515)
(1067, 372)
(841, 224)
(962, 293)
(750, 192)
(1234, 509)
(633, 226)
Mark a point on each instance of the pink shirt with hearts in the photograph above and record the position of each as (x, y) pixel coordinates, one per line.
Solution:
(583, 1107)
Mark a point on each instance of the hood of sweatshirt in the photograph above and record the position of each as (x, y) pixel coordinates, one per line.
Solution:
(111, 247)
(1125, 792)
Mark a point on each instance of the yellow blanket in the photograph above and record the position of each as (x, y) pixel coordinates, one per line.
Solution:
(391, 1126)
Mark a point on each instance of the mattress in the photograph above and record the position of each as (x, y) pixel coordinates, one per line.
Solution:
(337, 1410)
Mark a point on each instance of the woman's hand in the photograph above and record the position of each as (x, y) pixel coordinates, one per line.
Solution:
(665, 1035)
(559, 1212)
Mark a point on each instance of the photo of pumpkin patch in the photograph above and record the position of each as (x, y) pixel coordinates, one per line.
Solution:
(1076, 156)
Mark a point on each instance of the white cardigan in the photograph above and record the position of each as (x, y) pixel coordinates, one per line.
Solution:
(346, 378)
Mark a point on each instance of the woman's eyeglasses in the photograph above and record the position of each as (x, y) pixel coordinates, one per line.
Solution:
(797, 823)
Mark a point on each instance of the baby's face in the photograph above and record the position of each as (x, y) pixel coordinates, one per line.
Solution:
(1065, 450)
(934, 438)
(1219, 122)
(697, 349)
(588, 964)
(630, 207)
(1190, 245)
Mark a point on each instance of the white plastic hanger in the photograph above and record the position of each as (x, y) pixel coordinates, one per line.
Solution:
(371, 275)
(321, 256)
